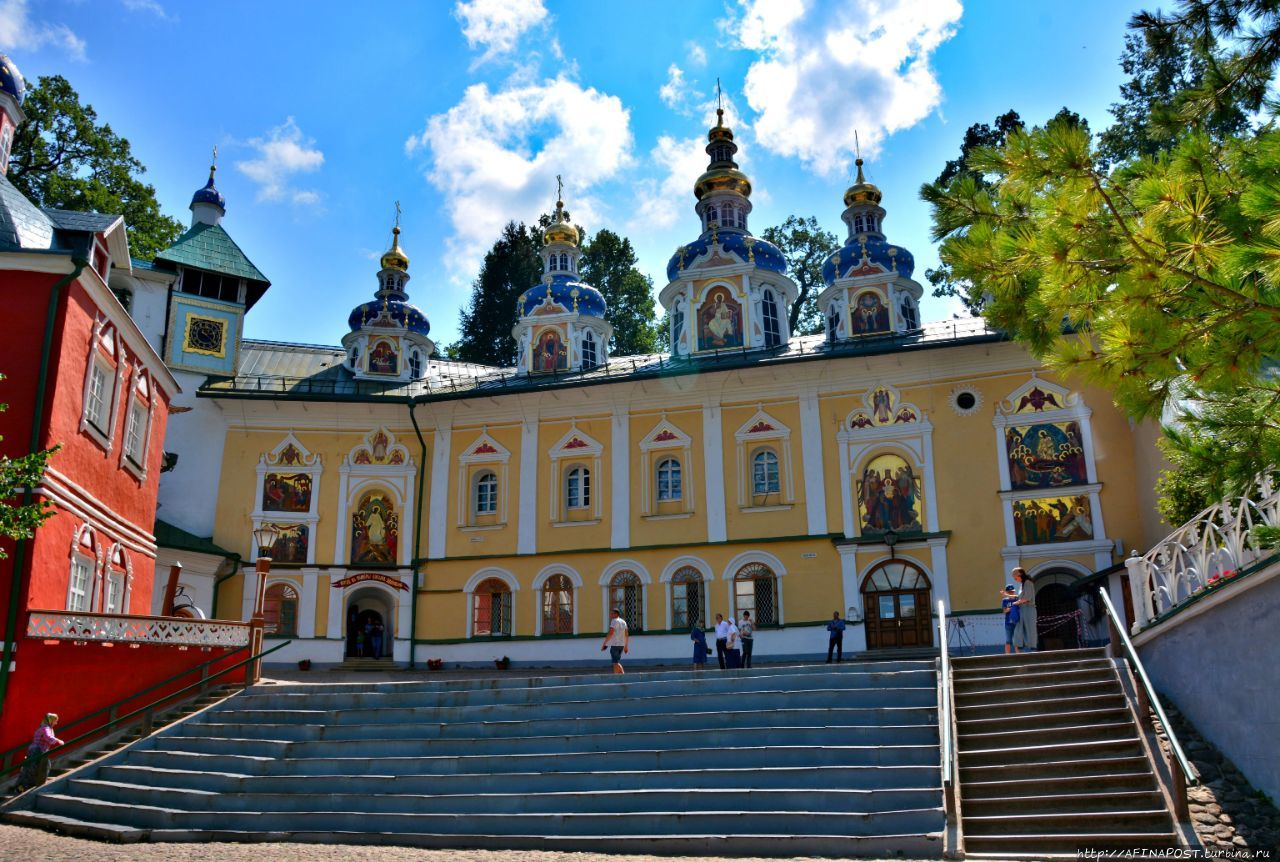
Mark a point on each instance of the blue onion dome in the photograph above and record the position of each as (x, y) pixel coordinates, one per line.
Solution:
(565, 292)
(760, 252)
(209, 194)
(11, 80)
(395, 258)
(893, 258)
(391, 312)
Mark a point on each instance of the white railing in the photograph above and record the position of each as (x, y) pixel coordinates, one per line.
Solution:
(113, 628)
(1211, 548)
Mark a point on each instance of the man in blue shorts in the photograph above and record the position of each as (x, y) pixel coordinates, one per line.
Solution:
(617, 640)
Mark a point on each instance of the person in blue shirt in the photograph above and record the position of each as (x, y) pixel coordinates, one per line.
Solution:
(700, 648)
(835, 629)
(1009, 606)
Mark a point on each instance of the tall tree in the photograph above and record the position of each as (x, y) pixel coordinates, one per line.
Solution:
(609, 265)
(19, 520)
(806, 247)
(510, 268)
(63, 158)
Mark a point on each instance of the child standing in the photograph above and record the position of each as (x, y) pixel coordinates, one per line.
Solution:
(1009, 605)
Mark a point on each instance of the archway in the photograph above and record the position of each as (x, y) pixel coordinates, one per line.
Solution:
(1060, 618)
(896, 601)
(370, 624)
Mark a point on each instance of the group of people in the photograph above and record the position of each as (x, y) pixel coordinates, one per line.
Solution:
(1018, 604)
(735, 642)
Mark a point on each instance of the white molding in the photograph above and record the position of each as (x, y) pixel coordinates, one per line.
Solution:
(527, 531)
(438, 506)
(815, 488)
(779, 435)
(754, 556)
(482, 575)
(625, 565)
(1062, 491)
(620, 465)
(557, 569)
(652, 452)
(713, 456)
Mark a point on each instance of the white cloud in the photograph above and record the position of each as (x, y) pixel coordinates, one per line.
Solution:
(697, 56)
(675, 92)
(152, 6)
(284, 151)
(496, 25)
(661, 202)
(19, 31)
(825, 72)
(494, 156)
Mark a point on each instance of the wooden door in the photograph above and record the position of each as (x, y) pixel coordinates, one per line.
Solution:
(896, 598)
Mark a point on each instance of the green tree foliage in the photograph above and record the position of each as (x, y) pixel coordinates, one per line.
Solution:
(510, 268)
(18, 521)
(806, 247)
(609, 264)
(63, 158)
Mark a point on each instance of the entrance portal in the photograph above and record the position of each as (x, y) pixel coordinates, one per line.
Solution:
(1058, 617)
(370, 629)
(896, 598)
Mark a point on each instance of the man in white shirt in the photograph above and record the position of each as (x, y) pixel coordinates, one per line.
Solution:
(617, 640)
(722, 638)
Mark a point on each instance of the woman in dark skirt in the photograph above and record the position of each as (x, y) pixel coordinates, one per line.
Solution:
(35, 769)
(699, 638)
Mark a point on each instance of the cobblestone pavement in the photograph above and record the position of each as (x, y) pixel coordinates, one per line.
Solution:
(18, 844)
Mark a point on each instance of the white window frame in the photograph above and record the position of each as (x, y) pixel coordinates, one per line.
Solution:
(765, 456)
(674, 490)
(496, 459)
(772, 318)
(480, 506)
(577, 487)
(104, 350)
(567, 454)
(85, 593)
(759, 432)
(140, 406)
(664, 441)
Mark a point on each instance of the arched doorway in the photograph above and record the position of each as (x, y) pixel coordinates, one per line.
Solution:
(1059, 616)
(370, 624)
(896, 596)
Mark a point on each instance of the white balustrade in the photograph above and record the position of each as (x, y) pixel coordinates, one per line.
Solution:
(167, 631)
(1214, 545)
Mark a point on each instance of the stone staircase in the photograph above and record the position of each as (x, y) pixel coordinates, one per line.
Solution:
(838, 760)
(1051, 759)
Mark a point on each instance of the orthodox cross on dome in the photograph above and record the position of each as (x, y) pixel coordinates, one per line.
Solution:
(397, 224)
(559, 188)
(214, 164)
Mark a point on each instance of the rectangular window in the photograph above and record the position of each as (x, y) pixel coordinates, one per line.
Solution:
(96, 410)
(78, 597)
(133, 433)
(115, 593)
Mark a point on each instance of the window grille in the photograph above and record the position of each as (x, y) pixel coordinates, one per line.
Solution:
(626, 593)
(755, 589)
(557, 606)
(491, 609)
(688, 598)
(280, 611)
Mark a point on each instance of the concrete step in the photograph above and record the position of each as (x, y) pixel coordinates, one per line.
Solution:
(1048, 753)
(1038, 709)
(1030, 677)
(1062, 786)
(1065, 767)
(965, 671)
(1050, 692)
(1027, 658)
(670, 740)
(843, 717)
(1037, 846)
(724, 820)
(879, 778)
(1018, 738)
(1063, 803)
(836, 801)
(1067, 718)
(1154, 821)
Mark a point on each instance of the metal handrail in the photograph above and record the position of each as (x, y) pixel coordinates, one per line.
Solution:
(945, 726)
(70, 743)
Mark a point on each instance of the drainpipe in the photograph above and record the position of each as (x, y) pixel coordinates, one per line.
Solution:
(37, 426)
(417, 538)
(234, 561)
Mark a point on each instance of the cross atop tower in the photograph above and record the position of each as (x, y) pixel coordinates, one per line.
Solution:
(397, 214)
(559, 188)
(719, 100)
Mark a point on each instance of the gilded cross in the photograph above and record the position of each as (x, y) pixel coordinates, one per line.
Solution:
(719, 95)
(397, 213)
(559, 188)
(215, 154)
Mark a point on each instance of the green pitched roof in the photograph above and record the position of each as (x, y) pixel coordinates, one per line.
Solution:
(169, 536)
(208, 246)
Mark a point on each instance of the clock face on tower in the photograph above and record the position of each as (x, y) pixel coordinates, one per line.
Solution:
(206, 335)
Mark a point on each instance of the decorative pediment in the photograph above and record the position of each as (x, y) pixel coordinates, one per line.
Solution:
(761, 426)
(379, 449)
(1037, 396)
(865, 268)
(575, 444)
(882, 406)
(664, 435)
(485, 449)
(290, 453)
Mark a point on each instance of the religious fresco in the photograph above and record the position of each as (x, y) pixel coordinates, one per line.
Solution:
(1049, 455)
(1046, 520)
(286, 492)
(375, 529)
(719, 321)
(870, 314)
(1037, 400)
(383, 359)
(291, 544)
(549, 351)
(889, 496)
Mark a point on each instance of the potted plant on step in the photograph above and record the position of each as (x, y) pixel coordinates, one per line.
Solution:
(304, 664)
(435, 664)
(502, 663)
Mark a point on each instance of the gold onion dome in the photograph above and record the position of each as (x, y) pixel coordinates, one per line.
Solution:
(395, 258)
(721, 175)
(862, 192)
(560, 230)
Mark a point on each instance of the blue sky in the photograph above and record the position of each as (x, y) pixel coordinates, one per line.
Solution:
(324, 115)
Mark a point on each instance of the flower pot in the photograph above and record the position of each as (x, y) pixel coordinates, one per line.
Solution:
(304, 664)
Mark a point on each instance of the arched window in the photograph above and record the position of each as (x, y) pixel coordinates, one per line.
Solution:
(415, 365)
(626, 593)
(669, 480)
(117, 574)
(726, 215)
(491, 609)
(772, 322)
(280, 609)
(871, 224)
(589, 359)
(713, 216)
(897, 605)
(486, 499)
(910, 317)
(857, 224)
(553, 263)
(755, 589)
(742, 218)
(578, 488)
(688, 598)
(564, 262)
(557, 605)
(355, 357)
(764, 472)
(81, 581)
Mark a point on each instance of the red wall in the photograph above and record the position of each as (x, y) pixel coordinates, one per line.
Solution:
(71, 680)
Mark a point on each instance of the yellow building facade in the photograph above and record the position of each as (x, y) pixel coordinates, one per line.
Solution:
(437, 510)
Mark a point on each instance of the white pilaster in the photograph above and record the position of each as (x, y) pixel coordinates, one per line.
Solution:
(713, 454)
(941, 577)
(849, 582)
(438, 508)
(620, 456)
(307, 604)
(337, 608)
(846, 489)
(815, 488)
(527, 535)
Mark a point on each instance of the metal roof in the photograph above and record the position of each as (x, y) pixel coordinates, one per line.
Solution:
(87, 222)
(209, 247)
(22, 225)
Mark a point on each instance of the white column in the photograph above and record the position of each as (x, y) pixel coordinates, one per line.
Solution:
(438, 509)
(337, 607)
(250, 586)
(307, 604)
(527, 534)
(849, 581)
(620, 456)
(941, 577)
(815, 488)
(845, 475)
(713, 454)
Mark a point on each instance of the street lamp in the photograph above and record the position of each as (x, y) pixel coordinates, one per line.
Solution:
(265, 538)
(891, 539)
